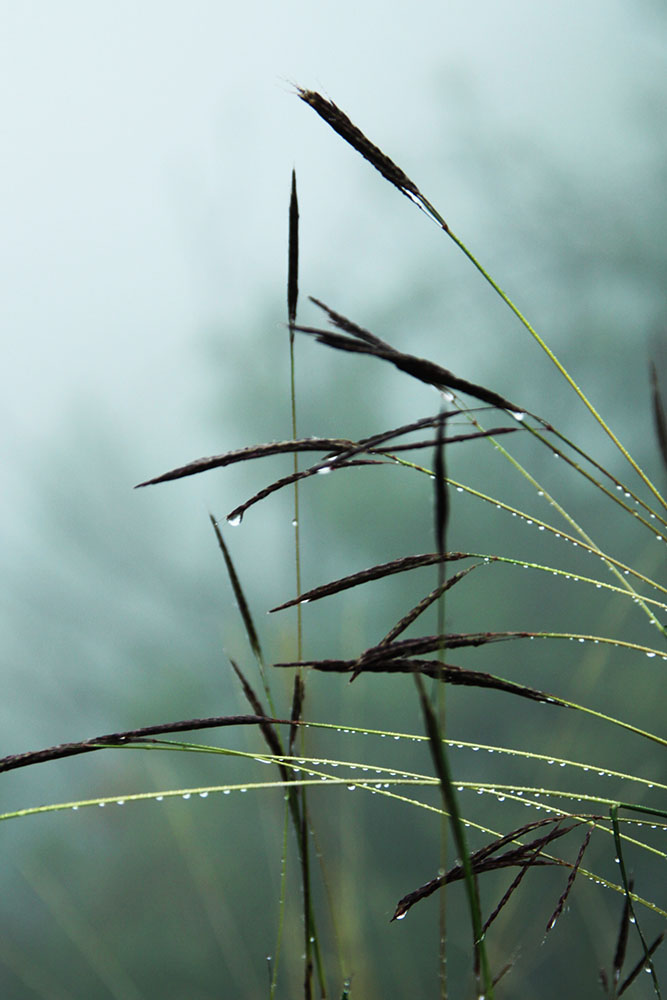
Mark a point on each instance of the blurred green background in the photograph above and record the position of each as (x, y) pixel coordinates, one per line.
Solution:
(148, 157)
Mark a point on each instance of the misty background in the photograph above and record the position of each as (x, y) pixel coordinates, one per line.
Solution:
(146, 172)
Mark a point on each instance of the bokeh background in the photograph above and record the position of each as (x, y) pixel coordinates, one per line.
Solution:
(147, 158)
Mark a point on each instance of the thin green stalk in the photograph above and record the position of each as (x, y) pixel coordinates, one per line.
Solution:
(281, 908)
(554, 360)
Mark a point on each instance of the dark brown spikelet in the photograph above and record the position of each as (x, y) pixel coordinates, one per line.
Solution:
(244, 454)
(293, 256)
(440, 484)
(340, 123)
(401, 565)
(425, 603)
(622, 941)
(419, 368)
(659, 414)
(265, 725)
(345, 324)
(483, 861)
(551, 923)
(298, 697)
(251, 631)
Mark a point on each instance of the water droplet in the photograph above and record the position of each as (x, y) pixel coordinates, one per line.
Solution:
(401, 916)
(101, 804)
(186, 795)
(294, 522)
(351, 788)
(227, 791)
(324, 470)
(519, 416)
(120, 802)
(459, 489)
(650, 655)
(235, 520)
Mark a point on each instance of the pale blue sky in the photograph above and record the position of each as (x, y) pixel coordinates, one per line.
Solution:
(147, 151)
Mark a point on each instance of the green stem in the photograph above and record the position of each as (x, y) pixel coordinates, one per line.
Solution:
(554, 360)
